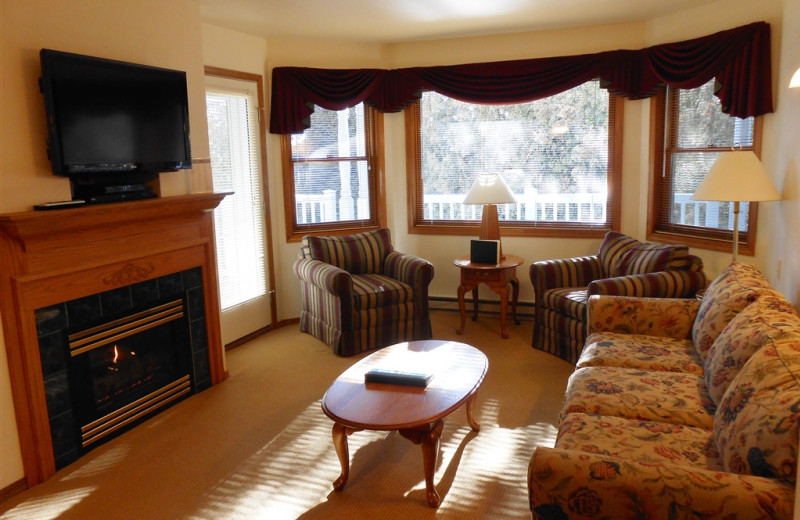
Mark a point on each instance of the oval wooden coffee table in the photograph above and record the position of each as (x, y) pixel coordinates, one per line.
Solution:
(416, 413)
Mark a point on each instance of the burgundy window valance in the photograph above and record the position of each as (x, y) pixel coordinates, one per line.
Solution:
(738, 58)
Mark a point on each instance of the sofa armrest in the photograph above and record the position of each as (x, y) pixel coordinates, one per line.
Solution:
(662, 284)
(668, 317)
(325, 276)
(564, 272)
(569, 483)
(409, 269)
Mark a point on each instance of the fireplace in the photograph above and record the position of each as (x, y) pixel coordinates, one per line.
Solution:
(114, 359)
(138, 274)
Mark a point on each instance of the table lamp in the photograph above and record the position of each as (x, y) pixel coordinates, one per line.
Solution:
(490, 189)
(734, 177)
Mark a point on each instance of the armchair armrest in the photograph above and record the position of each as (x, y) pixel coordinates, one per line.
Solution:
(564, 272)
(681, 283)
(667, 317)
(328, 277)
(409, 269)
(569, 483)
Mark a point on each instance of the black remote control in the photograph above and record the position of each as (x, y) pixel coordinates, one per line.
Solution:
(60, 204)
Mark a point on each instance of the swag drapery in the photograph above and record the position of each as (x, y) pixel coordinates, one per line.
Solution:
(739, 60)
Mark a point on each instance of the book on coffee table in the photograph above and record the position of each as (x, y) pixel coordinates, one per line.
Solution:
(398, 377)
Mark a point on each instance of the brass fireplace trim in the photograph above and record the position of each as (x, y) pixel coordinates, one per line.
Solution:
(96, 430)
(90, 339)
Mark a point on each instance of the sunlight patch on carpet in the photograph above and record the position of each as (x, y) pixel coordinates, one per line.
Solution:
(49, 507)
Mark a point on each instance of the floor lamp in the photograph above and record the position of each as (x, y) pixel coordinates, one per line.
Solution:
(736, 176)
(490, 189)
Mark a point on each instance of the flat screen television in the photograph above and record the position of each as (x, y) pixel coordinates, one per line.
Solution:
(113, 123)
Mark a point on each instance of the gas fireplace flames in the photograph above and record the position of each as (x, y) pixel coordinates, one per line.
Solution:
(117, 358)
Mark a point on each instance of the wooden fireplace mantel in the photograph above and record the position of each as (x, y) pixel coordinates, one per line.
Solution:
(48, 257)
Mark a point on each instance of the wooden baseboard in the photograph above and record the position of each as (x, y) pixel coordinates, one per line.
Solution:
(525, 310)
(13, 489)
(260, 332)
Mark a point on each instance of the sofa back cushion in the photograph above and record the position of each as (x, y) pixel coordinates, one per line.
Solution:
(651, 258)
(612, 251)
(767, 317)
(362, 253)
(756, 425)
(735, 288)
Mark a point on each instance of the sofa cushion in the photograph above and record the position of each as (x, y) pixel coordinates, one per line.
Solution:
(758, 421)
(735, 288)
(650, 258)
(770, 315)
(612, 250)
(362, 253)
(642, 352)
(643, 441)
(647, 395)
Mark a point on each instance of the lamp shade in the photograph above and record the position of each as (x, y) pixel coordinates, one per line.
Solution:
(736, 176)
(489, 188)
(795, 81)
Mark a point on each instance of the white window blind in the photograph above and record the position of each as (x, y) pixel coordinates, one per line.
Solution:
(235, 166)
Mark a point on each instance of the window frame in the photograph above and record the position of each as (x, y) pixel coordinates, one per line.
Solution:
(375, 156)
(663, 136)
(417, 225)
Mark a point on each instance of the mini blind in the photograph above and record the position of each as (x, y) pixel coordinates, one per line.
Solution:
(695, 132)
(235, 167)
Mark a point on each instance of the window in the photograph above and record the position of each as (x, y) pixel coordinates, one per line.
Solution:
(559, 155)
(689, 132)
(333, 173)
(236, 166)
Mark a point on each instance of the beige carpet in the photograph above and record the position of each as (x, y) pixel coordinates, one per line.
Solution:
(259, 447)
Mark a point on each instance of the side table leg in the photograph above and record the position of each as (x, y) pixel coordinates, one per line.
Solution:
(475, 303)
(462, 308)
(340, 434)
(514, 298)
(503, 292)
(429, 442)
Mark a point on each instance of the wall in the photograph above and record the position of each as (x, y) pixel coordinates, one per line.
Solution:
(155, 32)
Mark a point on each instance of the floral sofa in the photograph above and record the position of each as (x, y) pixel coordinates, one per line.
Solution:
(679, 408)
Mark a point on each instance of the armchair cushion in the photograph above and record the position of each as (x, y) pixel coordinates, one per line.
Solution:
(612, 251)
(651, 257)
(375, 290)
(362, 253)
(570, 301)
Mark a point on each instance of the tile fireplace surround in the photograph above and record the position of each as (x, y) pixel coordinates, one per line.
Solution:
(49, 257)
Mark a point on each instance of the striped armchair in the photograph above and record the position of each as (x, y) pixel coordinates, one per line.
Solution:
(623, 266)
(359, 294)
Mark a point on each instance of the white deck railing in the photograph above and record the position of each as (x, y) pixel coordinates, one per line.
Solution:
(532, 206)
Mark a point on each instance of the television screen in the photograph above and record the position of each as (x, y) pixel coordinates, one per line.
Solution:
(106, 116)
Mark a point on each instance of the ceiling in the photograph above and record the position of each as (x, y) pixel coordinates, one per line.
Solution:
(392, 21)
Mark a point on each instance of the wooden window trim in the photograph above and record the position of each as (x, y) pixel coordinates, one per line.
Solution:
(702, 238)
(375, 158)
(519, 229)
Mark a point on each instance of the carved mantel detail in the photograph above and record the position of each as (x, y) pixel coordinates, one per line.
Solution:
(129, 274)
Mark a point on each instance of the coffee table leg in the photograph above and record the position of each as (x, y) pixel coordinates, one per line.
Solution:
(429, 442)
(471, 418)
(340, 434)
